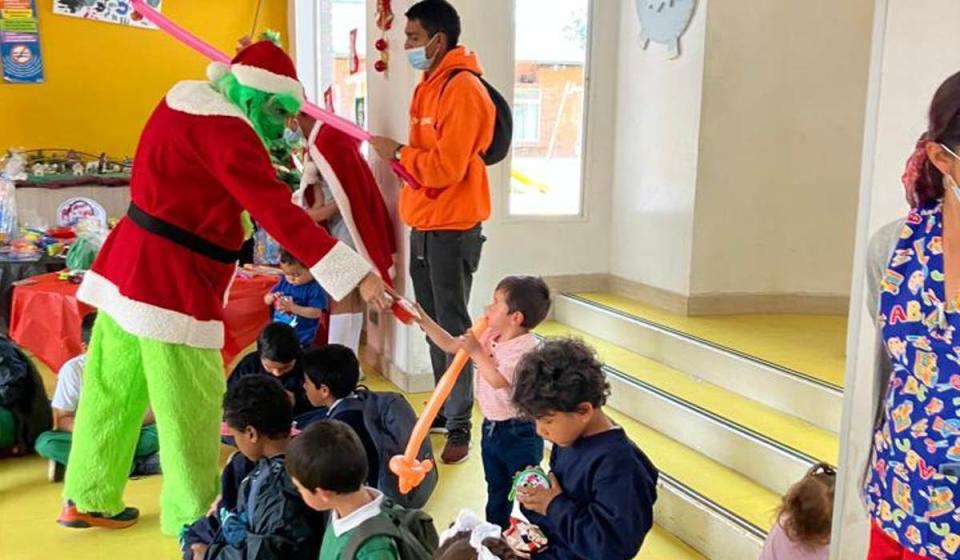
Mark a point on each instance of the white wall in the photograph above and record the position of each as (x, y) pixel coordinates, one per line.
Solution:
(656, 148)
(538, 246)
(919, 50)
(780, 144)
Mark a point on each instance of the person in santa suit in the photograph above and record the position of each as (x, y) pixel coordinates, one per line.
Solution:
(162, 277)
(338, 189)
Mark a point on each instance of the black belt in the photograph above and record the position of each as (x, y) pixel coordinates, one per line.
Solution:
(181, 236)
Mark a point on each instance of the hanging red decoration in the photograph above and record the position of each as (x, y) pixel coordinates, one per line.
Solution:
(384, 23)
(354, 57)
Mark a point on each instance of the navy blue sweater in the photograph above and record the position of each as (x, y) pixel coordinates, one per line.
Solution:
(606, 508)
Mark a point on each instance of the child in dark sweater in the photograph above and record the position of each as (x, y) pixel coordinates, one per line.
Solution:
(332, 373)
(602, 486)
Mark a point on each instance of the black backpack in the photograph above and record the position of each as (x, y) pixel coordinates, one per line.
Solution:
(502, 127)
(411, 530)
(389, 420)
(278, 525)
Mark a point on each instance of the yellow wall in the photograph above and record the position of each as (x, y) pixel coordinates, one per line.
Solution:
(103, 80)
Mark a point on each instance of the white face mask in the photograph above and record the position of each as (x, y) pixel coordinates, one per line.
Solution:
(948, 181)
(417, 56)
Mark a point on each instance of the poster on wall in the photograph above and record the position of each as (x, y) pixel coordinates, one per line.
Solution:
(20, 42)
(110, 11)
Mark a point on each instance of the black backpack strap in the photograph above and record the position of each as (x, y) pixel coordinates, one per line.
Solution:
(377, 526)
(453, 75)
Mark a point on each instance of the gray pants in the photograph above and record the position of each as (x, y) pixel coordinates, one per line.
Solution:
(442, 264)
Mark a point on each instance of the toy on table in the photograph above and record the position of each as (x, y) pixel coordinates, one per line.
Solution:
(72, 276)
(524, 538)
(530, 477)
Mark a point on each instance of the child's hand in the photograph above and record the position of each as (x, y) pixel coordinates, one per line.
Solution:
(470, 343)
(199, 551)
(269, 298)
(286, 305)
(538, 499)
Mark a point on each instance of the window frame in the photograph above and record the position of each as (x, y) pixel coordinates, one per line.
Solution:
(583, 213)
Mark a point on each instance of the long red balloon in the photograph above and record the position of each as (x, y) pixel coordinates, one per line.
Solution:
(215, 55)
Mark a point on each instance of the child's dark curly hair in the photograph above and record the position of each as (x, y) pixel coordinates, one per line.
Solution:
(258, 401)
(806, 513)
(559, 376)
(458, 547)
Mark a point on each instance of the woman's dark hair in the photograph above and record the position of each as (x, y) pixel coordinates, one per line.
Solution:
(943, 128)
(287, 258)
(806, 513)
(328, 455)
(86, 327)
(278, 342)
(557, 377)
(335, 366)
(258, 401)
(437, 16)
(529, 295)
(458, 547)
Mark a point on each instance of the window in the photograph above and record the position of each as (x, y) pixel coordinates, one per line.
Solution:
(526, 116)
(339, 21)
(549, 98)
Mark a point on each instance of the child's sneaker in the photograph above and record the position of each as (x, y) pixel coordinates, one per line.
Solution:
(55, 471)
(70, 517)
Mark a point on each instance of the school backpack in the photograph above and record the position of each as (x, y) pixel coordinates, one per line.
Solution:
(389, 420)
(271, 521)
(502, 127)
(411, 530)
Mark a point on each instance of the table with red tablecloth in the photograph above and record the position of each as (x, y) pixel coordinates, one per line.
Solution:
(45, 317)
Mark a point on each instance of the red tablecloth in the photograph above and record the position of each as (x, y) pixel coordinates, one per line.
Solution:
(45, 317)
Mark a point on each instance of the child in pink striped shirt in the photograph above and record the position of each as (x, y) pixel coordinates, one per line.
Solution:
(510, 443)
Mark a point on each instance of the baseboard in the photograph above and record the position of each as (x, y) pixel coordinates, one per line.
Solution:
(650, 295)
(599, 282)
(737, 304)
(407, 382)
(702, 304)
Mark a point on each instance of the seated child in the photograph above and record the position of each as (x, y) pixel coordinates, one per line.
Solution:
(55, 445)
(332, 372)
(297, 299)
(268, 513)
(278, 355)
(328, 467)
(602, 486)
(510, 443)
(24, 408)
(802, 530)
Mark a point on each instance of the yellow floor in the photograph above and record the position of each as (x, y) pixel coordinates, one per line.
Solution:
(750, 414)
(29, 504)
(814, 345)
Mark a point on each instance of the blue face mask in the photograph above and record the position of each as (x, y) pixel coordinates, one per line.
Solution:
(418, 56)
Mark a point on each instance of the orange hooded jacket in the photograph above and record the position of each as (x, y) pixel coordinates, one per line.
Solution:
(447, 135)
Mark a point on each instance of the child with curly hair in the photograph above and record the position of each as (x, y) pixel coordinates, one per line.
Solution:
(802, 530)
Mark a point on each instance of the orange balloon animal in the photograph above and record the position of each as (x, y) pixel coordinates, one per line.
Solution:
(411, 471)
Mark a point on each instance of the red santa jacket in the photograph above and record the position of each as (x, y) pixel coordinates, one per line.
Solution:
(198, 165)
(355, 190)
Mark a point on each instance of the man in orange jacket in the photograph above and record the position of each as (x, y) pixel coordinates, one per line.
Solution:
(451, 124)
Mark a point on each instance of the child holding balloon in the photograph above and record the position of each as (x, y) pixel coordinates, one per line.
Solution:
(509, 443)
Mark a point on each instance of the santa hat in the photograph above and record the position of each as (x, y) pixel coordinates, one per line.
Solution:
(262, 66)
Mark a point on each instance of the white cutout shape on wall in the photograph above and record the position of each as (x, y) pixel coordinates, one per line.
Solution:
(664, 21)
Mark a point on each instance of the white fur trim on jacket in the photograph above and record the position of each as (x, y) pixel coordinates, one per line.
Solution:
(264, 80)
(340, 271)
(199, 98)
(146, 320)
(339, 194)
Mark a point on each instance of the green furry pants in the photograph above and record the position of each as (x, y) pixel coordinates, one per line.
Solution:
(184, 386)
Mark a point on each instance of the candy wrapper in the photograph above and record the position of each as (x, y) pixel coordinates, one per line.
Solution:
(533, 477)
(524, 538)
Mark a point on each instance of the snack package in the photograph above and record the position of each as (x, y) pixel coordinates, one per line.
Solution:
(531, 477)
(524, 538)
